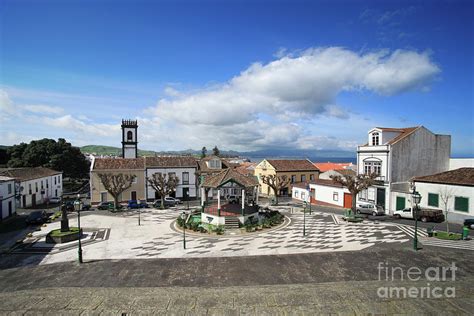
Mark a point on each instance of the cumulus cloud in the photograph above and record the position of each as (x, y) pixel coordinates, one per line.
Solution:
(79, 126)
(274, 96)
(303, 84)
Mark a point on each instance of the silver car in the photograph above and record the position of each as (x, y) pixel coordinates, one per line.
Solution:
(369, 208)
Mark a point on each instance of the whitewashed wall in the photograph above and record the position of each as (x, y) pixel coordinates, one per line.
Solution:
(179, 173)
(7, 196)
(325, 194)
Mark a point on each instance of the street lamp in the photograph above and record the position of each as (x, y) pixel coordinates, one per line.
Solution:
(416, 199)
(183, 217)
(304, 219)
(78, 208)
(309, 197)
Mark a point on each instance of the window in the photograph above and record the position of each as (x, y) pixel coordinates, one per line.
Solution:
(375, 139)
(461, 204)
(171, 174)
(59, 179)
(47, 184)
(103, 196)
(42, 187)
(296, 194)
(311, 177)
(36, 187)
(433, 199)
(371, 194)
(363, 195)
(373, 167)
(335, 196)
(303, 178)
(29, 188)
(54, 180)
(129, 135)
(185, 177)
(135, 180)
(293, 179)
(215, 164)
(302, 196)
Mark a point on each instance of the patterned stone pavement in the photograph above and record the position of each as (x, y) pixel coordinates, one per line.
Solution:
(157, 237)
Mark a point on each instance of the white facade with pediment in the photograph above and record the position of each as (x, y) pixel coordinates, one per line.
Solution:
(398, 155)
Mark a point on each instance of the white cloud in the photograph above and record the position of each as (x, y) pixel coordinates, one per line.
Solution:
(265, 102)
(70, 123)
(43, 109)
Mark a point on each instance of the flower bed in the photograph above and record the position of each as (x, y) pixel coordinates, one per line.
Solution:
(448, 236)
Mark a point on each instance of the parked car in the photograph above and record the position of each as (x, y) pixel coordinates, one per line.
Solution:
(54, 200)
(134, 204)
(105, 206)
(37, 217)
(424, 214)
(469, 222)
(172, 199)
(369, 208)
(166, 203)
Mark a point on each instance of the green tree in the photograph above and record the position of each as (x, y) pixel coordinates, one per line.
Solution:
(58, 155)
(215, 151)
(203, 152)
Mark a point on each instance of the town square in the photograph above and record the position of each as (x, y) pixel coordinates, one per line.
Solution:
(268, 157)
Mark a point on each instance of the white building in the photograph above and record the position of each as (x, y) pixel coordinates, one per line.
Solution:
(35, 185)
(183, 167)
(7, 197)
(397, 155)
(323, 192)
(451, 190)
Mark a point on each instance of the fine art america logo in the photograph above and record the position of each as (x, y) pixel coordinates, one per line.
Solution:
(432, 275)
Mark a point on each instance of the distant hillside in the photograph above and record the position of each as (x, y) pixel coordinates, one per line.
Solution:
(269, 153)
(110, 150)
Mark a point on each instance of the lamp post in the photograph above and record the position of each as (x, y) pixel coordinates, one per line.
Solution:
(139, 207)
(416, 199)
(183, 216)
(78, 207)
(304, 219)
(309, 197)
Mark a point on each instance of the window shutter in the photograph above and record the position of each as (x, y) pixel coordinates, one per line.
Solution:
(433, 199)
(461, 204)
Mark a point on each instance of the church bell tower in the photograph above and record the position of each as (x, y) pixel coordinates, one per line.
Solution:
(129, 139)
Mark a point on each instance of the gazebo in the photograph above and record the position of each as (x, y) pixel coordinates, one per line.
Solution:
(237, 197)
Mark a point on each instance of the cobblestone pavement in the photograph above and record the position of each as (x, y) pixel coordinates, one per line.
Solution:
(156, 238)
(337, 282)
(348, 298)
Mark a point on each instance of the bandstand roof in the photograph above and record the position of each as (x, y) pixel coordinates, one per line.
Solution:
(230, 175)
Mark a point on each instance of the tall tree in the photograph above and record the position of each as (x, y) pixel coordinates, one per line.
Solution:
(58, 155)
(163, 184)
(355, 184)
(116, 184)
(276, 183)
(215, 151)
(203, 152)
(446, 194)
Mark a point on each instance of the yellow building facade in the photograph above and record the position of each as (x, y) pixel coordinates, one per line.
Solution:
(300, 170)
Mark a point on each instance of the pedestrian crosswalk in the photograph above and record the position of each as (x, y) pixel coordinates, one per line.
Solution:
(410, 231)
(457, 244)
(432, 241)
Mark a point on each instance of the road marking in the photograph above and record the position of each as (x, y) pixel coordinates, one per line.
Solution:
(410, 231)
(457, 244)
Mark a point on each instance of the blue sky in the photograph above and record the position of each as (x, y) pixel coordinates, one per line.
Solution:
(242, 75)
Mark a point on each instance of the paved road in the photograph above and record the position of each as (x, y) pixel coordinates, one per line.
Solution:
(344, 282)
(351, 298)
